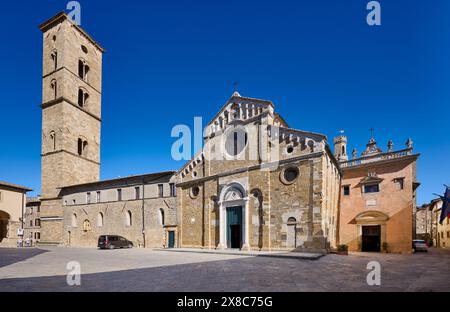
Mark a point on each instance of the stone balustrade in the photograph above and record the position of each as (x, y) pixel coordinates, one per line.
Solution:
(377, 157)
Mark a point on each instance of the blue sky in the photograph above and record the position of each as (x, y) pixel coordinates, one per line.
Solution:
(169, 61)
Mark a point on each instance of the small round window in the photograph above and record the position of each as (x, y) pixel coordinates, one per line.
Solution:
(236, 141)
(289, 175)
(195, 191)
(194, 174)
(290, 149)
(84, 49)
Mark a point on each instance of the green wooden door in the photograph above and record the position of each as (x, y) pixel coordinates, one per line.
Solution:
(234, 227)
(171, 239)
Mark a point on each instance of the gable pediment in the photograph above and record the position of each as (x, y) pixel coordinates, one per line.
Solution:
(238, 109)
(370, 180)
(371, 216)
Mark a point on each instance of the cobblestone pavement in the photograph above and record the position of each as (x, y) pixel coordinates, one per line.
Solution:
(147, 270)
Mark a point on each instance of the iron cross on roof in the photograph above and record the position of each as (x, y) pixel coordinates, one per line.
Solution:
(235, 85)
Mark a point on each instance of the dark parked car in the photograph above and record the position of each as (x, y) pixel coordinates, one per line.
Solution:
(420, 245)
(113, 242)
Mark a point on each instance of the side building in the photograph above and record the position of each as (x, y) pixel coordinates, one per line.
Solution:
(378, 197)
(441, 232)
(32, 220)
(425, 226)
(140, 208)
(12, 209)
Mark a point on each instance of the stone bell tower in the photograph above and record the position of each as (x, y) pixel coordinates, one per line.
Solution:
(340, 147)
(71, 117)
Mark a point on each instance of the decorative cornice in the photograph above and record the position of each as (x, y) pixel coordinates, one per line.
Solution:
(70, 153)
(71, 72)
(63, 99)
(43, 219)
(273, 164)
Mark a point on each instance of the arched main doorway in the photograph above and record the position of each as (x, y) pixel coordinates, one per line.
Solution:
(233, 219)
(4, 225)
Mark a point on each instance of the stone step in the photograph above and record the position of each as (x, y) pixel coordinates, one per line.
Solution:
(47, 244)
(273, 254)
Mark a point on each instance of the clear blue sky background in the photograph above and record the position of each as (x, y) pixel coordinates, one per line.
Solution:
(168, 61)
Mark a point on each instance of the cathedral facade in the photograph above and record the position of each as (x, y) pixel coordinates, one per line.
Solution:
(258, 184)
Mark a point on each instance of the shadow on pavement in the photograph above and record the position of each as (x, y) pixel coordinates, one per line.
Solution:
(257, 274)
(12, 255)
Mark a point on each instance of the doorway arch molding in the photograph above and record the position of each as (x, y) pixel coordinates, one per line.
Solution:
(368, 218)
(233, 194)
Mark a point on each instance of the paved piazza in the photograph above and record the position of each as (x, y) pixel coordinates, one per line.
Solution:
(44, 269)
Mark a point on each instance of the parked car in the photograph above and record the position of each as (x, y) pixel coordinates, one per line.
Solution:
(420, 245)
(113, 242)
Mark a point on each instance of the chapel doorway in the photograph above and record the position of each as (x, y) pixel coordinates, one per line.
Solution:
(371, 238)
(234, 227)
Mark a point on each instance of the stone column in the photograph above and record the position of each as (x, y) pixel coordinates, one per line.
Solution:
(222, 227)
(246, 225)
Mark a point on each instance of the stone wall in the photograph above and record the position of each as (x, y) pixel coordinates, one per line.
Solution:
(95, 209)
(272, 203)
(115, 222)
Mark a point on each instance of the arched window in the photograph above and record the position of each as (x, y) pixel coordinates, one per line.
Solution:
(100, 219)
(82, 147)
(85, 145)
(83, 70)
(53, 140)
(86, 226)
(292, 221)
(74, 220)
(54, 86)
(83, 96)
(128, 218)
(161, 217)
(54, 57)
(343, 150)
